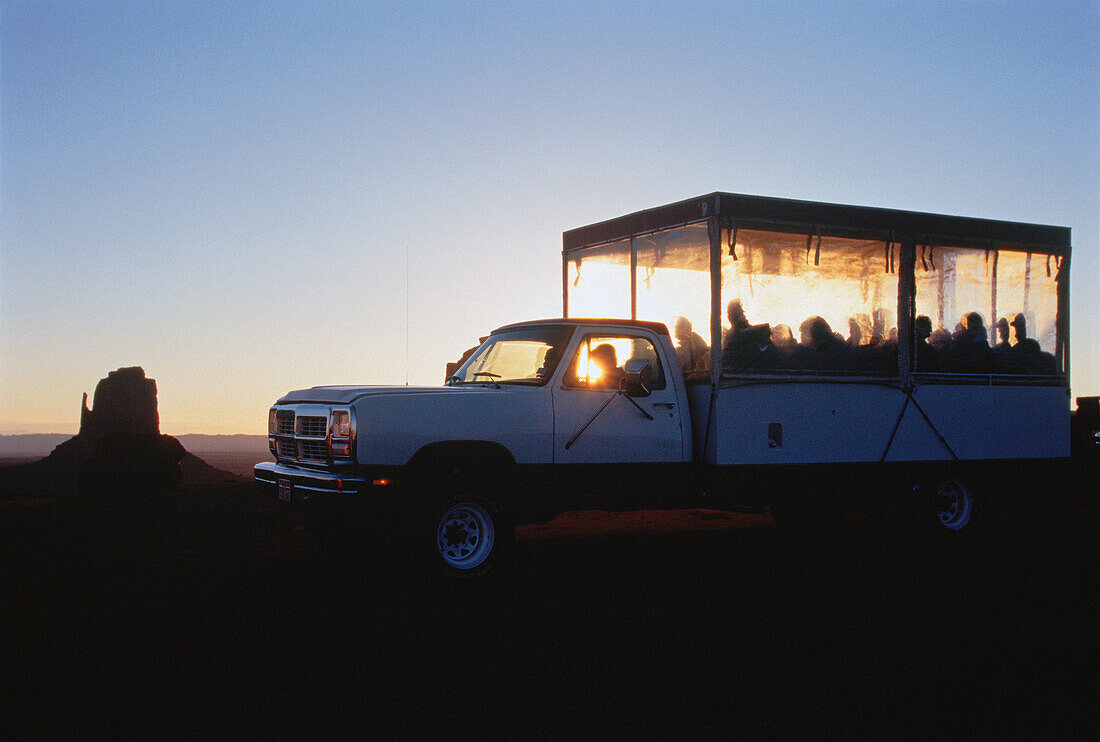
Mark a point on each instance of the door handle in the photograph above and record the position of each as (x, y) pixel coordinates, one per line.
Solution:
(666, 405)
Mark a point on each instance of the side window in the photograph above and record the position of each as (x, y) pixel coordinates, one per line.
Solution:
(599, 362)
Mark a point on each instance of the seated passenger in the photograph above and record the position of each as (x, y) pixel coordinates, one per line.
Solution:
(745, 345)
(606, 360)
(958, 332)
(878, 327)
(926, 356)
(1002, 336)
(786, 348)
(861, 351)
(822, 349)
(692, 351)
(1005, 361)
(940, 340)
(1023, 342)
(859, 330)
(782, 338)
(1026, 352)
(970, 352)
(549, 357)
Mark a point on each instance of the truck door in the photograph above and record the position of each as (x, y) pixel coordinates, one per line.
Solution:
(597, 429)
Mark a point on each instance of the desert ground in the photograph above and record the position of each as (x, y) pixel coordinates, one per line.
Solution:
(209, 612)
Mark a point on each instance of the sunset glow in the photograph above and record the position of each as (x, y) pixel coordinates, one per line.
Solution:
(245, 200)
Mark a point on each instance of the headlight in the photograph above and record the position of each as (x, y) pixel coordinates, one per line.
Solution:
(271, 421)
(341, 424)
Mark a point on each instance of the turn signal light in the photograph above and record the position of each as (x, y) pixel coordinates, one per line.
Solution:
(382, 482)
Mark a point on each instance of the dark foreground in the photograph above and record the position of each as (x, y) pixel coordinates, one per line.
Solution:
(208, 613)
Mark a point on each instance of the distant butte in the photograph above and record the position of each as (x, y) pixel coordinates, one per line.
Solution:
(119, 450)
(124, 402)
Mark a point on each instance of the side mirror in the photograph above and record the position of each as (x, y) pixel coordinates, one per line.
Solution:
(637, 377)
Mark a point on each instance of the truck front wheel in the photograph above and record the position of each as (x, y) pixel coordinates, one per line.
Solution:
(472, 536)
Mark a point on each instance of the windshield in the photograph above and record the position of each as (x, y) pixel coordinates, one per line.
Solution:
(521, 356)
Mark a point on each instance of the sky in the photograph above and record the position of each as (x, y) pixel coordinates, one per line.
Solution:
(249, 198)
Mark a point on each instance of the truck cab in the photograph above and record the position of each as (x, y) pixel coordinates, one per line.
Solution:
(565, 413)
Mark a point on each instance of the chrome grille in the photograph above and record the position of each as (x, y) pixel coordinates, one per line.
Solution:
(284, 422)
(314, 450)
(304, 438)
(312, 427)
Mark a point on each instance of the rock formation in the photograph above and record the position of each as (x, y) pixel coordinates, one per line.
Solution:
(119, 451)
(452, 368)
(124, 402)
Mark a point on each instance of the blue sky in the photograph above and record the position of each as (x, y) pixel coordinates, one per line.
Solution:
(228, 196)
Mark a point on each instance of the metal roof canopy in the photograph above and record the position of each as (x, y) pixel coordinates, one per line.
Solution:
(812, 217)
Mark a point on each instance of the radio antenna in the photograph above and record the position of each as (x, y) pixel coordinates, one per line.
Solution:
(406, 315)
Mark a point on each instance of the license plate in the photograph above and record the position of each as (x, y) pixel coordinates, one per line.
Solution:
(284, 490)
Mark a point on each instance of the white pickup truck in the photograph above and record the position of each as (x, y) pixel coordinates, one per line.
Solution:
(947, 384)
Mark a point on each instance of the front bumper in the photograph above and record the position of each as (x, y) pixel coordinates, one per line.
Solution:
(303, 484)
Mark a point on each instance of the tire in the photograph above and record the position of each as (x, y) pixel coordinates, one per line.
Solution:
(953, 504)
(946, 508)
(471, 536)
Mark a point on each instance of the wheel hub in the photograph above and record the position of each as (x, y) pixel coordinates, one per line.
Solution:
(465, 536)
(954, 505)
(459, 537)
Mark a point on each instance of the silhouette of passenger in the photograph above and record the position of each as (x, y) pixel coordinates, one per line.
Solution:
(1027, 353)
(736, 314)
(861, 353)
(925, 355)
(692, 351)
(549, 358)
(878, 327)
(1023, 342)
(940, 340)
(785, 350)
(745, 345)
(859, 330)
(1002, 336)
(884, 356)
(1004, 359)
(823, 349)
(971, 352)
(606, 360)
(975, 328)
(782, 338)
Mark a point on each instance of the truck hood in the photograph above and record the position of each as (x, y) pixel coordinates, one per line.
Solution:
(349, 394)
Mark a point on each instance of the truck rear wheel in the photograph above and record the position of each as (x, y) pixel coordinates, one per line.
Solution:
(945, 508)
(953, 504)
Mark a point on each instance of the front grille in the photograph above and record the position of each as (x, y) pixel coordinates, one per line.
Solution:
(304, 439)
(284, 422)
(312, 427)
(313, 450)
